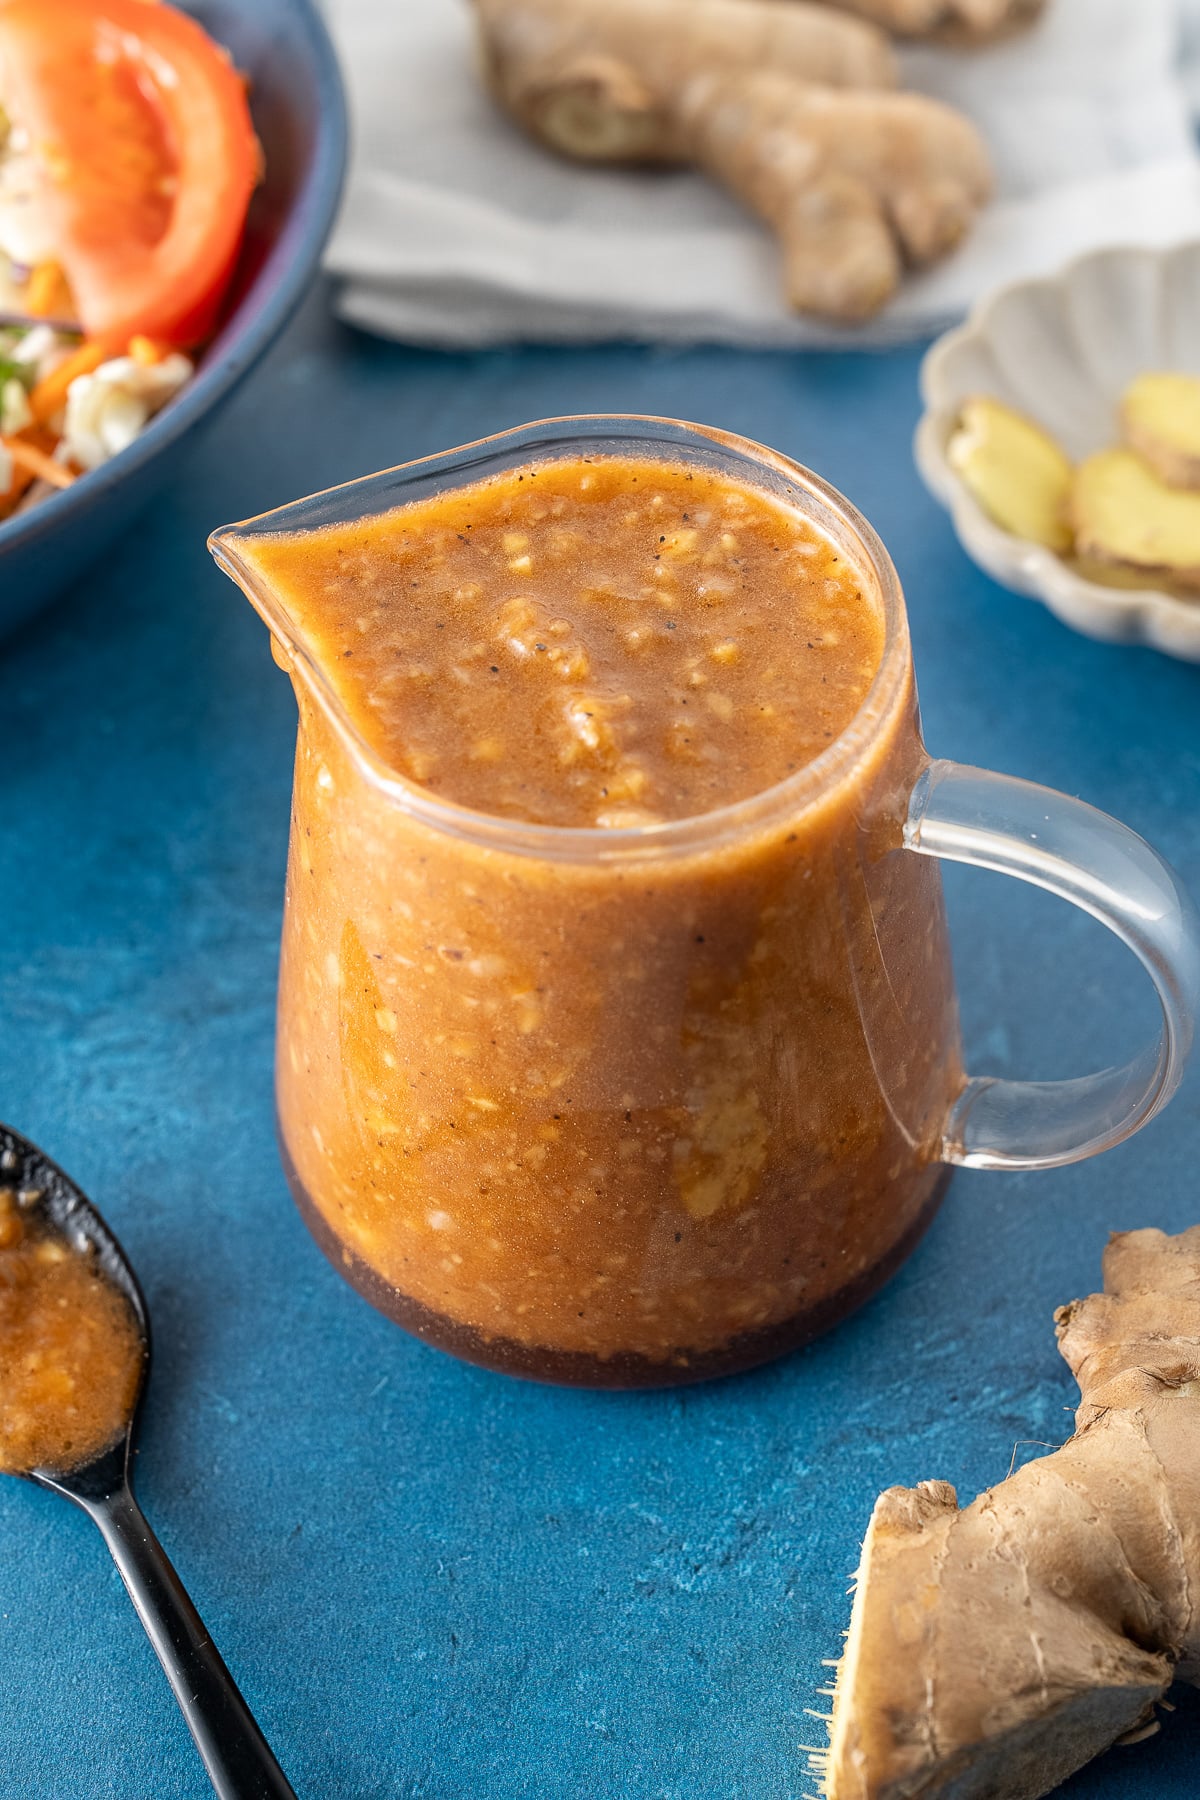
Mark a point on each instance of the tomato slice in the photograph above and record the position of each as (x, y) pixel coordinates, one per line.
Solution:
(145, 158)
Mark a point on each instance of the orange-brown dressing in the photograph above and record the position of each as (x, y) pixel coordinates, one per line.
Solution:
(603, 643)
(573, 1114)
(70, 1351)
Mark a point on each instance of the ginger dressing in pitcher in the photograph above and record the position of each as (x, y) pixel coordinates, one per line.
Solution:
(615, 1031)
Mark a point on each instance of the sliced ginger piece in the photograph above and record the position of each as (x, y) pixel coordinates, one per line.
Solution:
(995, 1649)
(1129, 521)
(1160, 419)
(1016, 471)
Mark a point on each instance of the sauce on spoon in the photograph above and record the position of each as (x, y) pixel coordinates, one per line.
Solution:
(71, 1353)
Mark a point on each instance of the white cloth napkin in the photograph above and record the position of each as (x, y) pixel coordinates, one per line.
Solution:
(458, 231)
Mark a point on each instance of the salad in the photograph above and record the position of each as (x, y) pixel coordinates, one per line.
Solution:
(127, 162)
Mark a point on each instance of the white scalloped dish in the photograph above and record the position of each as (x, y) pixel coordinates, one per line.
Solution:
(1062, 350)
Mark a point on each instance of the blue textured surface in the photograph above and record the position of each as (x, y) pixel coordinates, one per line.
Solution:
(430, 1580)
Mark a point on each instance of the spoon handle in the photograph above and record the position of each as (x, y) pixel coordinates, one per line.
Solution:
(236, 1754)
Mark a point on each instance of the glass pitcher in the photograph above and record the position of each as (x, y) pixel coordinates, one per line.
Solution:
(635, 1106)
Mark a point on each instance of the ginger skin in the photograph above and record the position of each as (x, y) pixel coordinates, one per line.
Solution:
(959, 21)
(993, 1651)
(787, 105)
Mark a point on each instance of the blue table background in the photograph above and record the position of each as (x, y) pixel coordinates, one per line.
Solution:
(432, 1581)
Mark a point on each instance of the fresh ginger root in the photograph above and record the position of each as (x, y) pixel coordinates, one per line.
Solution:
(1130, 523)
(993, 1651)
(973, 21)
(1160, 418)
(786, 104)
(599, 79)
(1015, 470)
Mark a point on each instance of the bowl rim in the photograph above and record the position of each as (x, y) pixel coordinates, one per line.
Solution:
(1146, 614)
(282, 280)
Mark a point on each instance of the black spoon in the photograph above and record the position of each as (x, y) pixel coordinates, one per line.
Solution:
(237, 1756)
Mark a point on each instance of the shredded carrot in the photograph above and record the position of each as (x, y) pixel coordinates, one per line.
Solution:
(148, 351)
(47, 295)
(28, 456)
(51, 392)
(21, 479)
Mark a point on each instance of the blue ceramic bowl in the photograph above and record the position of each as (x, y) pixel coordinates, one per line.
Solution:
(300, 116)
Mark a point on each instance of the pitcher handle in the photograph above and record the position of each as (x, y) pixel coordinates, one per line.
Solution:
(997, 822)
